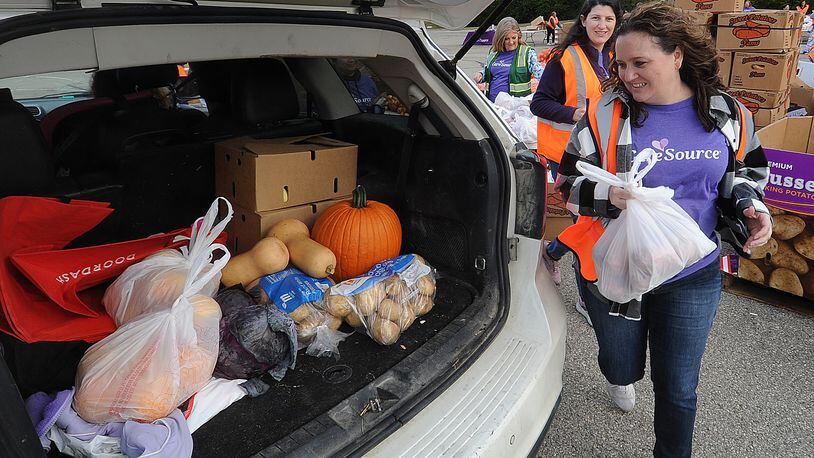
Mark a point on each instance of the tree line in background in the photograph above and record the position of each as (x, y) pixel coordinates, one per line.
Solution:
(526, 10)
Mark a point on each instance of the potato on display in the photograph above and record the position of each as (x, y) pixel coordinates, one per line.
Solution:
(384, 331)
(760, 252)
(426, 285)
(804, 244)
(389, 310)
(300, 313)
(421, 304)
(353, 319)
(396, 288)
(775, 211)
(338, 305)
(748, 270)
(407, 317)
(787, 258)
(786, 280)
(368, 300)
(787, 226)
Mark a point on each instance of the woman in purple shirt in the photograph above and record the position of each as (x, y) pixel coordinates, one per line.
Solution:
(510, 63)
(664, 94)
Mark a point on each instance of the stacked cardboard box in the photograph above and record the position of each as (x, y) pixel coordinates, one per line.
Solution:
(268, 180)
(761, 49)
(757, 52)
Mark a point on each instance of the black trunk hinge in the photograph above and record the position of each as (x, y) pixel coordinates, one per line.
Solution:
(451, 65)
(366, 6)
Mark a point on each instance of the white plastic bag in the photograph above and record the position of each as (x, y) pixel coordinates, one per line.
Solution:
(156, 282)
(148, 366)
(650, 242)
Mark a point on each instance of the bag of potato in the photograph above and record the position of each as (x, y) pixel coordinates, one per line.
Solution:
(156, 282)
(298, 295)
(151, 364)
(387, 299)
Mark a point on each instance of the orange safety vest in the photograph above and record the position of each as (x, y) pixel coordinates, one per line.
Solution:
(552, 22)
(583, 235)
(581, 83)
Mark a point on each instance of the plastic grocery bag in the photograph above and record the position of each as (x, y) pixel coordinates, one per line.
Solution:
(148, 366)
(650, 242)
(156, 282)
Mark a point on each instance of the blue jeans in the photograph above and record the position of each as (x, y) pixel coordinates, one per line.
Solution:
(553, 167)
(676, 320)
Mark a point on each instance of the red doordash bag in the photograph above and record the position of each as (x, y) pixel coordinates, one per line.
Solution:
(38, 221)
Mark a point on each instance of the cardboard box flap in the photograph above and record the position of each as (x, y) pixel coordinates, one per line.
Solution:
(305, 144)
(788, 134)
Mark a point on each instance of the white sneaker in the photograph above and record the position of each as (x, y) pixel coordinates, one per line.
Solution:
(624, 396)
(580, 306)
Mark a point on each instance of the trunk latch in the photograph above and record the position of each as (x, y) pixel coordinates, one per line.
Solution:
(366, 6)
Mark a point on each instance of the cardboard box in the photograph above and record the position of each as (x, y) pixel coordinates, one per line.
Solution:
(712, 6)
(759, 30)
(248, 226)
(766, 106)
(724, 66)
(537, 23)
(557, 217)
(788, 145)
(802, 94)
(704, 18)
(269, 174)
(762, 71)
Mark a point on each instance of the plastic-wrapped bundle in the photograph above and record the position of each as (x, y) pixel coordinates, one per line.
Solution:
(387, 299)
(254, 338)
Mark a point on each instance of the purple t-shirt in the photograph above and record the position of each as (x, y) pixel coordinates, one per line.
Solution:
(691, 162)
(500, 74)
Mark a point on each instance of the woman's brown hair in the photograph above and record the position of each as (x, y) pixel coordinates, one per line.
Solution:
(670, 28)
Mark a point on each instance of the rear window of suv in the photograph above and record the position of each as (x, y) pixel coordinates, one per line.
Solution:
(65, 84)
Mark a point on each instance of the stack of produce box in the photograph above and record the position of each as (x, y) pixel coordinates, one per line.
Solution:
(271, 180)
(757, 52)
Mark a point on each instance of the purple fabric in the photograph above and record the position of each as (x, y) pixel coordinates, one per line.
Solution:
(499, 72)
(75, 426)
(363, 90)
(692, 162)
(165, 438)
(44, 410)
(548, 101)
(169, 435)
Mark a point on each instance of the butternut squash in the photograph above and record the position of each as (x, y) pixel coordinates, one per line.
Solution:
(313, 259)
(267, 256)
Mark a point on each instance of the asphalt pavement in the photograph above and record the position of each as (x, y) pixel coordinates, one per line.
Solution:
(756, 394)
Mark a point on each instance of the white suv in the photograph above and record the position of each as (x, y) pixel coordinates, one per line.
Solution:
(482, 373)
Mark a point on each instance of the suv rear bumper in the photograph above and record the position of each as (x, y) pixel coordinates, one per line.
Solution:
(499, 407)
(502, 403)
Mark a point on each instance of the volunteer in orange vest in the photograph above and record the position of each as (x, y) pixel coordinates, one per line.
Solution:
(573, 74)
(803, 7)
(550, 27)
(664, 94)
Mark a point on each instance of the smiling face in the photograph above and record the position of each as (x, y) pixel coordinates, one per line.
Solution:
(649, 74)
(599, 24)
(511, 41)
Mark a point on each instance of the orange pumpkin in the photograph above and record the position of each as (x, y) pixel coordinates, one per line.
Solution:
(360, 232)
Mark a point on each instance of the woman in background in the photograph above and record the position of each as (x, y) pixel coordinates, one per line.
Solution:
(510, 63)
